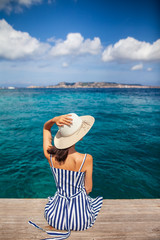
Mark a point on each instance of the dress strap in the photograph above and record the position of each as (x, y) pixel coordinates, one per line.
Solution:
(51, 159)
(83, 162)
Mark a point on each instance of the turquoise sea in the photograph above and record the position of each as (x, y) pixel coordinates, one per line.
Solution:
(124, 141)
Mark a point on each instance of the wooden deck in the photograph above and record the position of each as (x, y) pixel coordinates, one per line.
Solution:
(133, 219)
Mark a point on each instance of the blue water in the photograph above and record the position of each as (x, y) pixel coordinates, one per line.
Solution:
(124, 141)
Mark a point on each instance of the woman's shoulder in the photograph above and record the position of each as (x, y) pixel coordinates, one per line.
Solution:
(87, 156)
(86, 161)
(79, 158)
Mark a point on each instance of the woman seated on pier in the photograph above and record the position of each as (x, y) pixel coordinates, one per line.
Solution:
(71, 208)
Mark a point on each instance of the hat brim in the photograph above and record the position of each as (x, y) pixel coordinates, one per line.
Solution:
(61, 142)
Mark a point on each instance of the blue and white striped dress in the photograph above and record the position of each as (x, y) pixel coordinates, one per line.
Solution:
(70, 208)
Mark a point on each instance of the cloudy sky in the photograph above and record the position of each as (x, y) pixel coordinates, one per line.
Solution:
(43, 42)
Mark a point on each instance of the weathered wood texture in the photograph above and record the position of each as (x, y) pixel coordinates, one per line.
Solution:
(129, 219)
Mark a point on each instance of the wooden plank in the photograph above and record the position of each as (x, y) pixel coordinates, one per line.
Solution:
(129, 219)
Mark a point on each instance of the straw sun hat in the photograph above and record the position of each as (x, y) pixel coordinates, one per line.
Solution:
(69, 135)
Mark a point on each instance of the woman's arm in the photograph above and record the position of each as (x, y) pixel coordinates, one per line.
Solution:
(47, 136)
(88, 176)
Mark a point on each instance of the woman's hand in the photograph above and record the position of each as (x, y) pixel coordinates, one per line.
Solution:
(63, 119)
(47, 136)
(60, 121)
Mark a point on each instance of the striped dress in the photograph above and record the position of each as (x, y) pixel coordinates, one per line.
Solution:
(70, 208)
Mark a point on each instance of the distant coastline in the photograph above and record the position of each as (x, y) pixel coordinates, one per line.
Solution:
(94, 85)
(88, 85)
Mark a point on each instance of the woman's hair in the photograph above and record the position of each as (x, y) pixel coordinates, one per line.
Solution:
(60, 154)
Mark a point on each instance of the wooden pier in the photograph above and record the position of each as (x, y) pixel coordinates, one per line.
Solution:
(119, 219)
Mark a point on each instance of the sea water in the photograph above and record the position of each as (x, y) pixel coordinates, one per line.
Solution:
(124, 141)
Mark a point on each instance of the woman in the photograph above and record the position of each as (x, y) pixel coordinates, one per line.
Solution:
(70, 208)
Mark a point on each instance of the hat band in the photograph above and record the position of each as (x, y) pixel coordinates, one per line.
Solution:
(82, 126)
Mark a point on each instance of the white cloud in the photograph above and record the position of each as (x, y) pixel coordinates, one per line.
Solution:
(16, 44)
(133, 50)
(137, 67)
(52, 39)
(20, 45)
(76, 45)
(17, 5)
(64, 64)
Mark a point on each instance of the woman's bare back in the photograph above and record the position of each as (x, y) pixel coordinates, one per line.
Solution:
(72, 162)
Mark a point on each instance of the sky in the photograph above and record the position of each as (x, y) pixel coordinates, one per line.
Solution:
(44, 42)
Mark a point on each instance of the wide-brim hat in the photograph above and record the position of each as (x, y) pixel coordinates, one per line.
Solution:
(69, 135)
